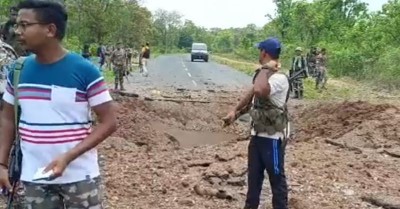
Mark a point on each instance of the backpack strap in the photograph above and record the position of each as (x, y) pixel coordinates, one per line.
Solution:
(269, 74)
(17, 72)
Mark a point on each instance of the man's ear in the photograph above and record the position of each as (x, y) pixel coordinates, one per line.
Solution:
(51, 30)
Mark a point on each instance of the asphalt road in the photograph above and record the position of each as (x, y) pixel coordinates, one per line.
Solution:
(177, 71)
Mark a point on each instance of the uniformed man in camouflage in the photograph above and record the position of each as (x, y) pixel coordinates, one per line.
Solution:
(311, 62)
(8, 35)
(108, 53)
(129, 54)
(321, 62)
(299, 63)
(118, 59)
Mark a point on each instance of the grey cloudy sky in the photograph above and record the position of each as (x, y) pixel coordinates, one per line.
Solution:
(226, 13)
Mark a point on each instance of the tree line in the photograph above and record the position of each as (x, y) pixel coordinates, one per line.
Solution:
(361, 44)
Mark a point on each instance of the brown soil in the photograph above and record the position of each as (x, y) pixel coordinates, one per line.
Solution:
(342, 153)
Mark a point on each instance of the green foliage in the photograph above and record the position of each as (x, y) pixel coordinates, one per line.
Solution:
(73, 43)
(108, 75)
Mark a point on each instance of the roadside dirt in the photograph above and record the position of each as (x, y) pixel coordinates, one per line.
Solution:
(177, 155)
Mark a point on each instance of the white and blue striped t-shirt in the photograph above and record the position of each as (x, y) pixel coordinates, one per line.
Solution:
(55, 104)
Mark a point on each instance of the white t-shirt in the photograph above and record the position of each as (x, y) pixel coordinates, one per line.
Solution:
(279, 88)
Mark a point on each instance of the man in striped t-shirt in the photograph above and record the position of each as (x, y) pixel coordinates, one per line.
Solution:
(56, 91)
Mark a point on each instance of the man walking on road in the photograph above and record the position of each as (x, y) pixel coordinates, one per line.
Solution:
(267, 97)
(144, 57)
(118, 59)
(56, 91)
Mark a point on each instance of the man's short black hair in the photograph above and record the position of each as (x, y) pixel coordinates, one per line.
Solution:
(48, 12)
(147, 44)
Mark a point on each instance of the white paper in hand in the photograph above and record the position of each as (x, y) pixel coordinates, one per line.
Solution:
(39, 175)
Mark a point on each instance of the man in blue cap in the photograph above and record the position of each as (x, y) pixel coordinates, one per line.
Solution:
(267, 99)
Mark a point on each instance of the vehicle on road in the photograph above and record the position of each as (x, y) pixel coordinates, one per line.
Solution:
(199, 51)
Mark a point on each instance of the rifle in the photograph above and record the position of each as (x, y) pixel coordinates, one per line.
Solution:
(246, 108)
(15, 162)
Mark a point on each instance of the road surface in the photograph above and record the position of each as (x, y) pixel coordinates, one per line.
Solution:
(177, 71)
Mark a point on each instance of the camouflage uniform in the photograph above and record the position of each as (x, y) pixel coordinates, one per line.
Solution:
(83, 194)
(129, 59)
(299, 63)
(322, 76)
(311, 62)
(108, 57)
(118, 59)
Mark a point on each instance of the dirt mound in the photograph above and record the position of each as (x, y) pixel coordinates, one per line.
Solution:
(145, 168)
(333, 120)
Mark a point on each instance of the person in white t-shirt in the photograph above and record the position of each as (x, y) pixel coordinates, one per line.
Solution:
(266, 149)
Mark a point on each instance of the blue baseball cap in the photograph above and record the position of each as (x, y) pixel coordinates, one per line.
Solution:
(272, 46)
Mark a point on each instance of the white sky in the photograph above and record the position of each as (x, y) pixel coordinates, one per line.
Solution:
(226, 13)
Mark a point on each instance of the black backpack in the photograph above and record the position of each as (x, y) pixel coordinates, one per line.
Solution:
(146, 53)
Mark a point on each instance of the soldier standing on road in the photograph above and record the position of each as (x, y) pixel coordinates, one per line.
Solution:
(118, 59)
(108, 53)
(322, 77)
(8, 35)
(128, 60)
(311, 61)
(267, 97)
(299, 63)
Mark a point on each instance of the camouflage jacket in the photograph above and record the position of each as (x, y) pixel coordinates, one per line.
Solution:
(267, 116)
(118, 57)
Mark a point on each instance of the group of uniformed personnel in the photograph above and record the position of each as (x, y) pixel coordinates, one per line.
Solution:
(313, 64)
(121, 60)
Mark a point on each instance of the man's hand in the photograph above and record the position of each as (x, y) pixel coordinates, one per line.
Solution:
(57, 166)
(230, 118)
(4, 180)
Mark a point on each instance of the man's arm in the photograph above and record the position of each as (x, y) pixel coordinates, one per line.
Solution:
(262, 89)
(106, 114)
(7, 132)
(245, 100)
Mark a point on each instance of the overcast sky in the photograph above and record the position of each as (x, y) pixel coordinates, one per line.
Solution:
(226, 13)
